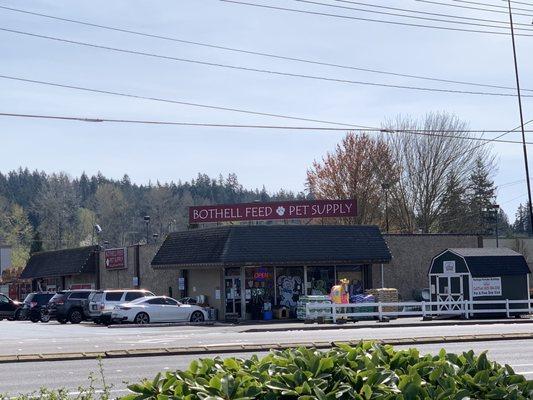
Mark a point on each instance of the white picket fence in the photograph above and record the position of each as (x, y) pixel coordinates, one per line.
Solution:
(468, 309)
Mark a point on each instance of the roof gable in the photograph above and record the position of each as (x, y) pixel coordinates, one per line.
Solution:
(274, 244)
(61, 263)
(486, 261)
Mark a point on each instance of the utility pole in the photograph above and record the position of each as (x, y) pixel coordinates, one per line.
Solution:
(530, 207)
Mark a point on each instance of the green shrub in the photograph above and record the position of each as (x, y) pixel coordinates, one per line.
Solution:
(367, 371)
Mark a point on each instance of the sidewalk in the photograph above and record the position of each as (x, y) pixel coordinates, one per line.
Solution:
(265, 326)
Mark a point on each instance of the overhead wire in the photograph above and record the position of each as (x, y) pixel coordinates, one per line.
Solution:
(440, 3)
(420, 132)
(490, 5)
(308, 12)
(258, 53)
(180, 102)
(342, 16)
(429, 13)
(447, 21)
(263, 71)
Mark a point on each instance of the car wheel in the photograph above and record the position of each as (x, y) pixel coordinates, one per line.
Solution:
(75, 317)
(45, 316)
(197, 316)
(18, 316)
(142, 319)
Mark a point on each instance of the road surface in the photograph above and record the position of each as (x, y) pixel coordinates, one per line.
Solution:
(27, 338)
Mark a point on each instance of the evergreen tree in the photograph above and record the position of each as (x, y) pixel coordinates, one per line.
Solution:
(454, 208)
(481, 193)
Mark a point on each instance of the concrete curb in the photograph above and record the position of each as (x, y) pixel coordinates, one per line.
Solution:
(354, 325)
(252, 348)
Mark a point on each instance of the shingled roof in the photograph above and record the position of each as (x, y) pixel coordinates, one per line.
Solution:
(61, 263)
(273, 245)
(487, 261)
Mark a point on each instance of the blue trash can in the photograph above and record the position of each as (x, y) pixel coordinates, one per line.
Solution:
(267, 315)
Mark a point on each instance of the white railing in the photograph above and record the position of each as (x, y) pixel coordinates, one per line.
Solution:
(467, 309)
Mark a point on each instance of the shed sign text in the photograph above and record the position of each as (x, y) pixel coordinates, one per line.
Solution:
(486, 287)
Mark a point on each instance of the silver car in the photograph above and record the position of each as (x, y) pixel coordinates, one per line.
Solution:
(102, 302)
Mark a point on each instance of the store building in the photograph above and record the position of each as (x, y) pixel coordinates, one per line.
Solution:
(63, 269)
(240, 268)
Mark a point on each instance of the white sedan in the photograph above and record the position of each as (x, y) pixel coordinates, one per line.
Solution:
(157, 309)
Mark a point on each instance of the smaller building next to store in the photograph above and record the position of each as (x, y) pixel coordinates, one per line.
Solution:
(240, 268)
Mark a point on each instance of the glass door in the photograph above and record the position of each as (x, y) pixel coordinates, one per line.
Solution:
(232, 285)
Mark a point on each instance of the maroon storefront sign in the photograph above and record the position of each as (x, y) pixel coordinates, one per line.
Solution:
(273, 210)
(115, 258)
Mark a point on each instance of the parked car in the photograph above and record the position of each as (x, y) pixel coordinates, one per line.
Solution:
(102, 302)
(9, 309)
(34, 307)
(68, 306)
(158, 309)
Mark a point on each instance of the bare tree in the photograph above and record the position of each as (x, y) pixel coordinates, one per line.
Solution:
(427, 162)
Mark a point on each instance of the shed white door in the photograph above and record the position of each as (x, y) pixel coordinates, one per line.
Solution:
(450, 294)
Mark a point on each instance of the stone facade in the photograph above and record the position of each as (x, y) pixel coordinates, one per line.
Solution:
(411, 259)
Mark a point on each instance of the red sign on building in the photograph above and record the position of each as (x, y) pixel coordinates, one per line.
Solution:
(273, 211)
(115, 258)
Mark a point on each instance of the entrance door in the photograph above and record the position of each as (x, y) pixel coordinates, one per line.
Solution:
(450, 293)
(232, 285)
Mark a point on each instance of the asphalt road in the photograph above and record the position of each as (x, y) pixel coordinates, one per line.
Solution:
(23, 337)
(19, 378)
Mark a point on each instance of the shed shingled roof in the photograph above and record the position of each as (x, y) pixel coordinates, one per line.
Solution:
(274, 245)
(489, 261)
(61, 263)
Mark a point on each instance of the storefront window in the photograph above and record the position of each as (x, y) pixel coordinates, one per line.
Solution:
(259, 290)
(320, 280)
(290, 283)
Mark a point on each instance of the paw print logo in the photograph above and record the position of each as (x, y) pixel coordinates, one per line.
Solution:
(281, 211)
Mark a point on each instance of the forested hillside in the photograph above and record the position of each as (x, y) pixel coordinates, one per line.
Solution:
(52, 211)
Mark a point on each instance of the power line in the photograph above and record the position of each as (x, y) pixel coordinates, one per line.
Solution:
(263, 71)
(521, 2)
(489, 5)
(243, 126)
(428, 13)
(447, 21)
(262, 54)
(368, 19)
(440, 3)
(180, 102)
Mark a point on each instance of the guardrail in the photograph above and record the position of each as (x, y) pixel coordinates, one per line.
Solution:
(423, 309)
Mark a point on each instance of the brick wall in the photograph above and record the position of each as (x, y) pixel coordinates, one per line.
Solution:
(411, 258)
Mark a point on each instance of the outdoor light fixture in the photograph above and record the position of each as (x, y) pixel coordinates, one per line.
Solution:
(147, 222)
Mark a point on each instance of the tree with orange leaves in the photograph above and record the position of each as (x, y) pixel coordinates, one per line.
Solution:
(360, 168)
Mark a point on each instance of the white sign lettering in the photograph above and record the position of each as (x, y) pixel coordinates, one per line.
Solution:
(486, 287)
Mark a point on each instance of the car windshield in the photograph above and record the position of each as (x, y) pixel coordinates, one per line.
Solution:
(96, 297)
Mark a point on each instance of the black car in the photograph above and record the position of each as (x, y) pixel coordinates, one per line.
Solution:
(34, 303)
(9, 309)
(68, 305)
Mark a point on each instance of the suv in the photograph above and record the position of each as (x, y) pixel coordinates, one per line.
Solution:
(34, 303)
(9, 309)
(101, 303)
(69, 305)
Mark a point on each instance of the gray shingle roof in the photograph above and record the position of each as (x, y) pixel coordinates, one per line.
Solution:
(274, 245)
(489, 261)
(61, 263)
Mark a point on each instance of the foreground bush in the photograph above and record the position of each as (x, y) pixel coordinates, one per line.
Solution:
(368, 371)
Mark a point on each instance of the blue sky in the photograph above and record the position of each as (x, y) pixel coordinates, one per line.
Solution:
(277, 159)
